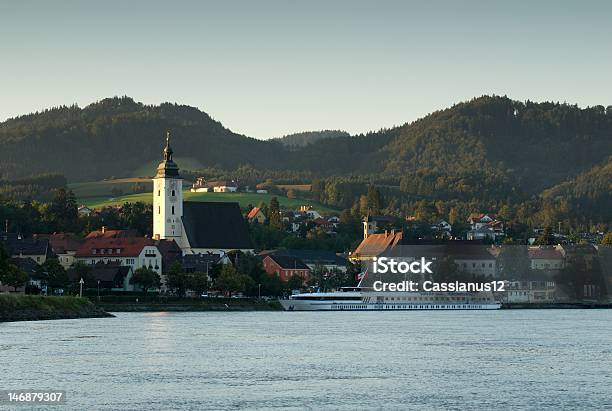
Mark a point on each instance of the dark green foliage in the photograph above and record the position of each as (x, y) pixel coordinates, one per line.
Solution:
(146, 278)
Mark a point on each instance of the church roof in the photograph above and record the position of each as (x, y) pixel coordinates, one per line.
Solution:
(215, 225)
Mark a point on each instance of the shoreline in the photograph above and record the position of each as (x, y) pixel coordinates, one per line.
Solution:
(40, 308)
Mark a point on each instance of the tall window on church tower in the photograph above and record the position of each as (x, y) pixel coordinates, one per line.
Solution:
(158, 193)
(172, 210)
(158, 209)
(173, 193)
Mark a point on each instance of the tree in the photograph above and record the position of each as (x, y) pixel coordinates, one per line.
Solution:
(546, 238)
(63, 211)
(198, 282)
(54, 274)
(177, 280)
(84, 271)
(146, 278)
(229, 280)
(292, 193)
(607, 240)
(274, 215)
(295, 282)
(13, 276)
(374, 200)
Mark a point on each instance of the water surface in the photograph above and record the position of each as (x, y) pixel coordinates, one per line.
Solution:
(536, 359)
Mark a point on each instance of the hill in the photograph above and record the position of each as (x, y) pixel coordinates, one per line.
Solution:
(490, 149)
(309, 137)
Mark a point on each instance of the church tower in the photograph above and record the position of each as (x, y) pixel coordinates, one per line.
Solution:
(167, 198)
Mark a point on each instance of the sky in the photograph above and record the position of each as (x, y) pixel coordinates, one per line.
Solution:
(269, 68)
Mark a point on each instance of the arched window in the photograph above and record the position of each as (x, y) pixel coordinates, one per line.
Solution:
(173, 193)
(158, 209)
(158, 193)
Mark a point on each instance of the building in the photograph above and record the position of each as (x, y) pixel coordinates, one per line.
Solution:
(531, 292)
(64, 246)
(85, 211)
(545, 258)
(374, 223)
(485, 227)
(473, 259)
(443, 228)
(286, 267)
(256, 216)
(197, 227)
(375, 244)
(316, 258)
(133, 252)
(225, 187)
(18, 246)
(109, 276)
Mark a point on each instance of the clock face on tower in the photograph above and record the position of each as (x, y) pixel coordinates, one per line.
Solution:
(172, 185)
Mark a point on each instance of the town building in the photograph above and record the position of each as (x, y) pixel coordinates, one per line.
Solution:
(133, 252)
(197, 227)
(256, 216)
(63, 245)
(17, 246)
(327, 260)
(286, 267)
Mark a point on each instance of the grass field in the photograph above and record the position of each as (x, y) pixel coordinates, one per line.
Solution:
(244, 199)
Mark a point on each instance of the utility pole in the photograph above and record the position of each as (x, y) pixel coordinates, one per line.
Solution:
(259, 293)
(81, 287)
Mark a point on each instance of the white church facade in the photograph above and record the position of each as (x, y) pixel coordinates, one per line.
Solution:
(197, 227)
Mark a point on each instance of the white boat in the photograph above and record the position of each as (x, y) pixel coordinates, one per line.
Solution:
(366, 299)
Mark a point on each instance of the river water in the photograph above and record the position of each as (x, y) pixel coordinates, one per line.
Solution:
(507, 359)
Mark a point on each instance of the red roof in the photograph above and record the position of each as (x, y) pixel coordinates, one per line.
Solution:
(61, 242)
(104, 233)
(545, 254)
(253, 212)
(127, 246)
(376, 244)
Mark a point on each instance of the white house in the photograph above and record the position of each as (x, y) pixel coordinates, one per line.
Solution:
(134, 252)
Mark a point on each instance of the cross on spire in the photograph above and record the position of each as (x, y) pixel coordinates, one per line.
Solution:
(168, 150)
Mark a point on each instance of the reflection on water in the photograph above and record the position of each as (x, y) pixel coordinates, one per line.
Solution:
(542, 359)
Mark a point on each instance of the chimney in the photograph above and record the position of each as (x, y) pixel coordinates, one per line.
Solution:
(386, 233)
(103, 229)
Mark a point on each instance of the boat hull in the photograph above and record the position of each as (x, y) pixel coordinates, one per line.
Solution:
(306, 305)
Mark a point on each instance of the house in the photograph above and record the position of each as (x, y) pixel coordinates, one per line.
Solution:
(197, 227)
(30, 267)
(375, 244)
(133, 252)
(200, 262)
(18, 246)
(317, 258)
(262, 191)
(85, 211)
(109, 276)
(485, 227)
(199, 186)
(309, 212)
(286, 267)
(104, 232)
(256, 216)
(545, 258)
(63, 245)
(225, 187)
(531, 292)
(442, 227)
(473, 259)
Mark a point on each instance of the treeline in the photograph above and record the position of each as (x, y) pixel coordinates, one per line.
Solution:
(39, 187)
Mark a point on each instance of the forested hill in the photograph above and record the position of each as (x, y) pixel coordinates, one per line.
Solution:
(488, 142)
(309, 137)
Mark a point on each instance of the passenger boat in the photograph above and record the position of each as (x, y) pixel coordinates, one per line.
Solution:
(366, 299)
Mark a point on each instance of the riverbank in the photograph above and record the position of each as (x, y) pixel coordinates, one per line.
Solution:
(136, 304)
(19, 307)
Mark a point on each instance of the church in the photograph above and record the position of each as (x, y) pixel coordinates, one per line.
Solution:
(197, 227)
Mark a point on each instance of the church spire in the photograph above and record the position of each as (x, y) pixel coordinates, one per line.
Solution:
(168, 150)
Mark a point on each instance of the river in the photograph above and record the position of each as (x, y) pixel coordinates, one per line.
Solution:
(537, 359)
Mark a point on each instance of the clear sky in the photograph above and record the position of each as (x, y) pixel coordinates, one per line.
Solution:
(268, 68)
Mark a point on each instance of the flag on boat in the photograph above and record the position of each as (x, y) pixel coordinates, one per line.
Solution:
(361, 276)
